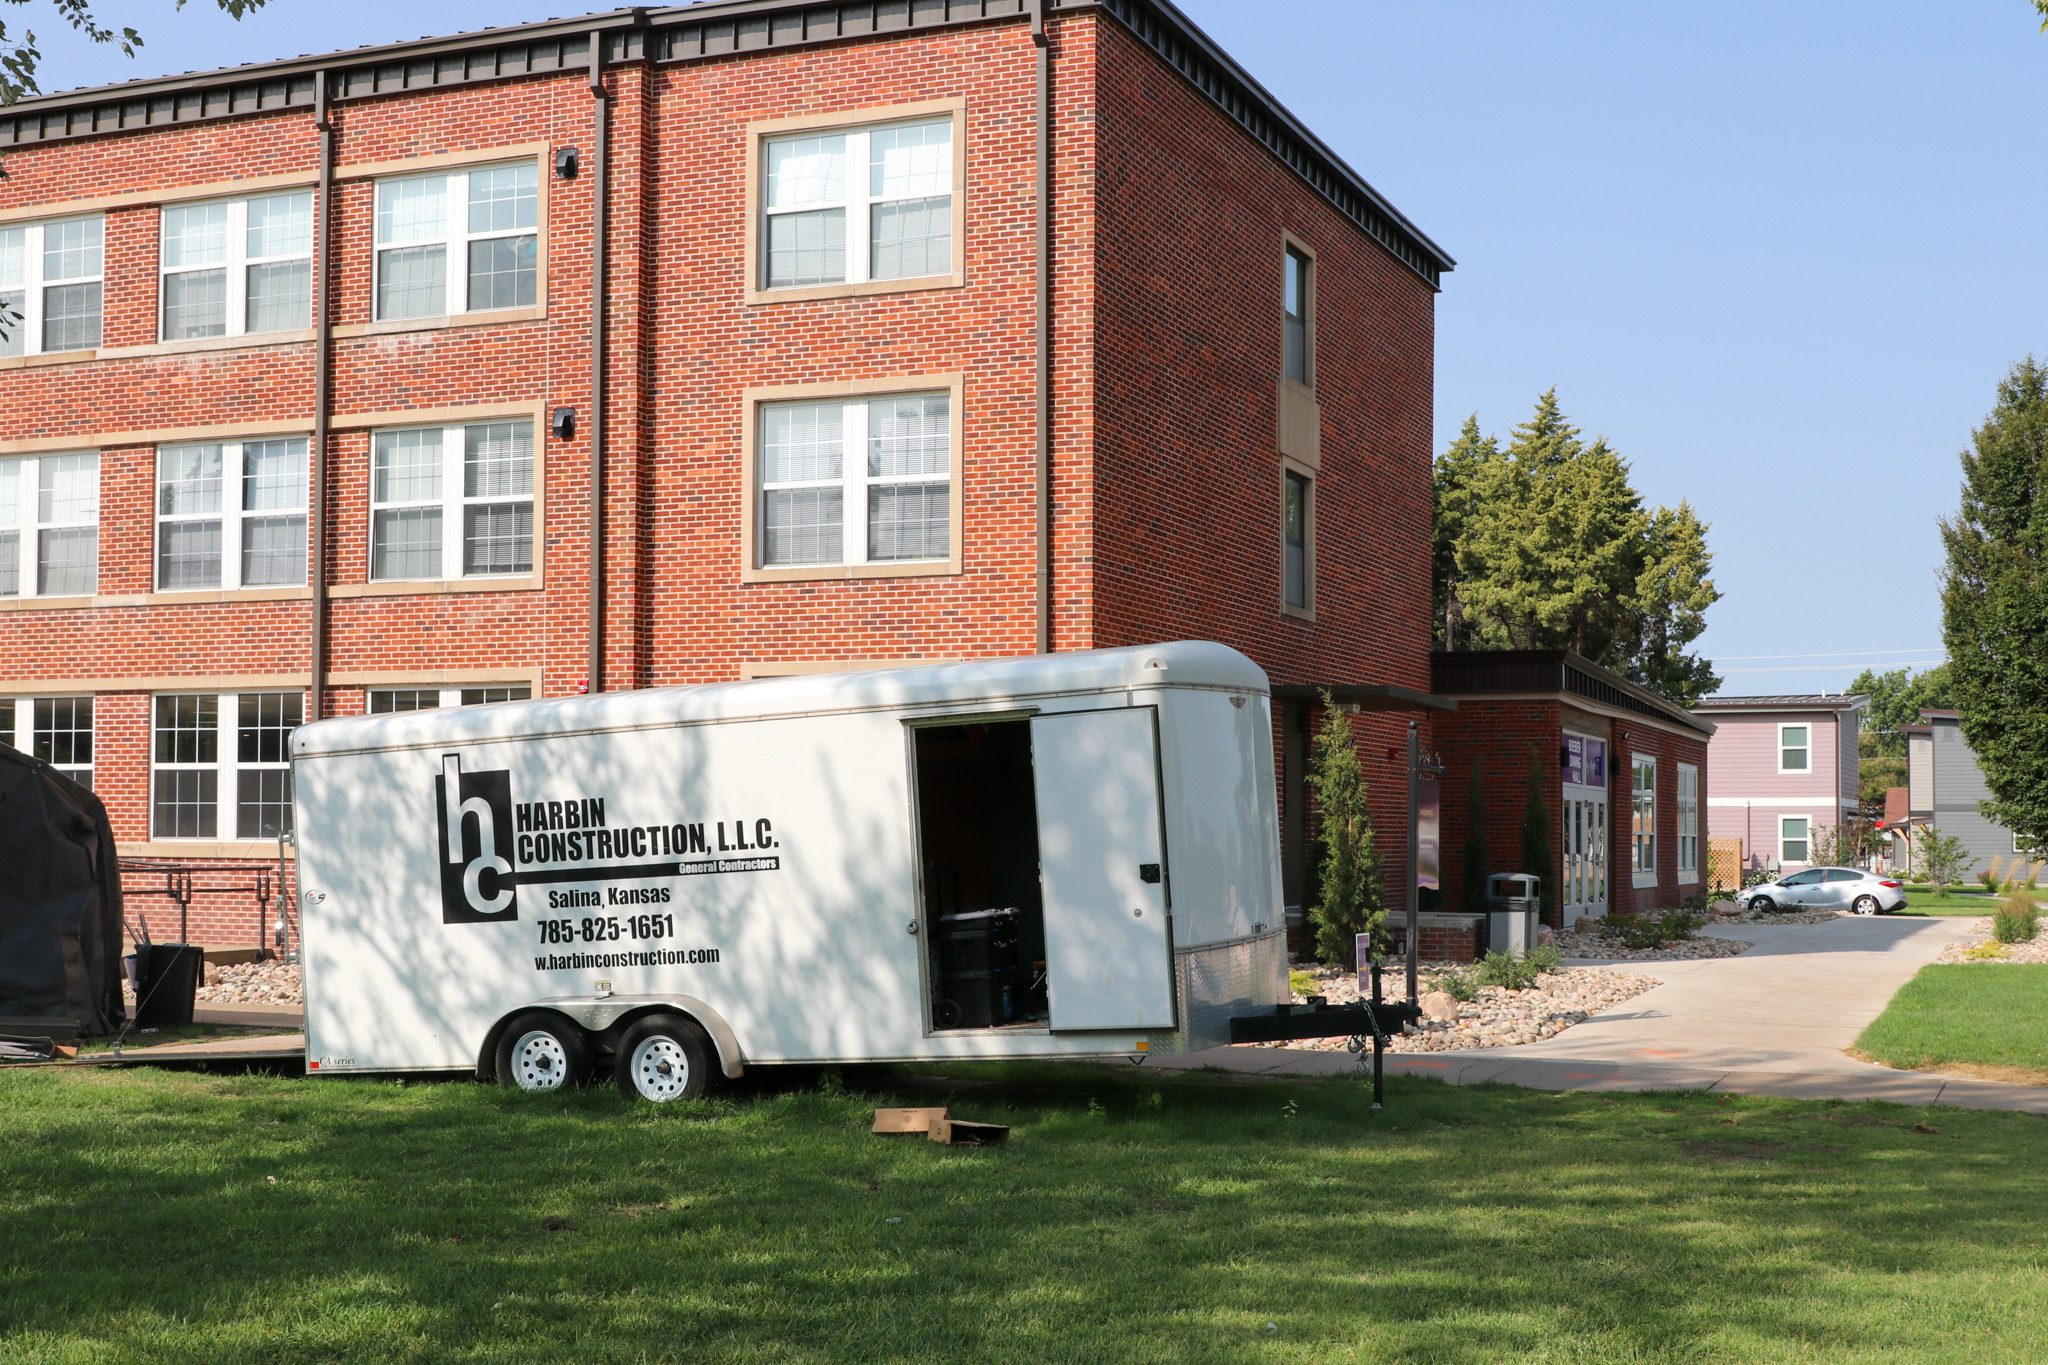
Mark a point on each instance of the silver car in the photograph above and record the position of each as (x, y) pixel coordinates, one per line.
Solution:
(1828, 888)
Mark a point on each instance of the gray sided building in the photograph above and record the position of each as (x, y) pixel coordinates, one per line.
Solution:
(1944, 786)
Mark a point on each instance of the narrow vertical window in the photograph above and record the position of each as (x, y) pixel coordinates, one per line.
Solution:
(497, 494)
(12, 531)
(1792, 838)
(1295, 519)
(67, 525)
(856, 482)
(860, 205)
(504, 211)
(405, 491)
(195, 253)
(1688, 821)
(1295, 317)
(1643, 817)
(13, 290)
(185, 777)
(263, 774)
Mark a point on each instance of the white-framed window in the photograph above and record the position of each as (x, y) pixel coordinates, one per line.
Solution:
(50, 525)
(856, 481)
(237, 267)
(57, 730)
(389, 700)
(1688, 823)
(451, 502)
(1643, 817)
(51, 277)
(853, 205)
(463, 242)
(231, 514)
(1795, 752)
(1794, 832)
(220, 764)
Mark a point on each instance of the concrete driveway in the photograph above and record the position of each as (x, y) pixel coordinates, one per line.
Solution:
(1773, 1021)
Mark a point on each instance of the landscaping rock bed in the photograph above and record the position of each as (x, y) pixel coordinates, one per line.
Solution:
(1976, 946)
(246, 983)
(1598, 945)
(1498, 1018)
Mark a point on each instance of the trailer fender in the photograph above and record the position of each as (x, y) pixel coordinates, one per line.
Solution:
(596, 1013)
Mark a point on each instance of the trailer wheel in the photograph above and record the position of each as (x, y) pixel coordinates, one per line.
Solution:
(539, 1052)
(664, 1057)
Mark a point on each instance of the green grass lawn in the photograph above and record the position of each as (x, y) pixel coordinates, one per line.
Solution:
(163, 1217)
(1921, 901)
(1992, 1017)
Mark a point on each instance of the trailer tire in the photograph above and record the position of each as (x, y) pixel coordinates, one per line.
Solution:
(664, 1057)
(539, 1052)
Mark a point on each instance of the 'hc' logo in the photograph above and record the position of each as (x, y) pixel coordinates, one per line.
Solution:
(476, 875)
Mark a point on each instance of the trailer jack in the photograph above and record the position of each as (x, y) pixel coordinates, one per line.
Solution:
(1366, 1022)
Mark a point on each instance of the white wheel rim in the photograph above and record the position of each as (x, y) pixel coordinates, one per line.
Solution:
(539, 1061)
(661, 1070)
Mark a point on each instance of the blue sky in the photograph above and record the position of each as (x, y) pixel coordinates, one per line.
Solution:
(1778, 254)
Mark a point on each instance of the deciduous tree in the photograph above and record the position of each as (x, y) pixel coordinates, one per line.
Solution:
(1994, 602)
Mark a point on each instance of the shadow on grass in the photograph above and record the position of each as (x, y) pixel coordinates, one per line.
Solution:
(1135, 1217)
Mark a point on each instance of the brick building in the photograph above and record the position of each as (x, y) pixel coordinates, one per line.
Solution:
(677, 345)
(1622, 771)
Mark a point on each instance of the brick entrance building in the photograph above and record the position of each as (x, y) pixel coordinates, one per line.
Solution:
(678, 345)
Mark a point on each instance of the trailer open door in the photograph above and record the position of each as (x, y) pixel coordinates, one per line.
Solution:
(1109, 957)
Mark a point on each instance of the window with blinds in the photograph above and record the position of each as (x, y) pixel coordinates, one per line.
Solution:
(862, 481)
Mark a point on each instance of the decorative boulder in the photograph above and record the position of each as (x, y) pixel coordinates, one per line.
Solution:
(1440, 1005)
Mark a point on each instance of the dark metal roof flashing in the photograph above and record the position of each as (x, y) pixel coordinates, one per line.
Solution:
(1479, 672)
(719, 28)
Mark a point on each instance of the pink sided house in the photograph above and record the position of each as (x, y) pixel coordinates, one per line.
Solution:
(1783, 768)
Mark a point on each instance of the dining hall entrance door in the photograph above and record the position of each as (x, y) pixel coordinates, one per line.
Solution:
(1583, 868)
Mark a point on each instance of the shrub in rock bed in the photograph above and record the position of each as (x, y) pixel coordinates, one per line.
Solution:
(1500, 969)
(2016, 919)
(1637, 930)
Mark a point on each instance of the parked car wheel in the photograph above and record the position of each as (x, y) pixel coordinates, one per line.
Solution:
(664, 1057)
(1761, 905)
(1866, 905)
(540, 1052)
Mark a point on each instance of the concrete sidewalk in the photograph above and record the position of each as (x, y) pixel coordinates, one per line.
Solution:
(1773, 1021)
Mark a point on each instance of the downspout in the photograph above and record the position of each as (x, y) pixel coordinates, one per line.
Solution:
(599, 252)
(1043, 230)
(322, 382)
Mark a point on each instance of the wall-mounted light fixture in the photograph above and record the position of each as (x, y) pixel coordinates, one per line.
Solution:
(567, 162)
(563, 424)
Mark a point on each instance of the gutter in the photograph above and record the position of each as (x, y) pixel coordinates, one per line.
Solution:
(1042, 230)
(599, 321)
(323, 370)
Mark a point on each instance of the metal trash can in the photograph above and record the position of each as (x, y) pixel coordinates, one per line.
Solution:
(1513, 900)
(167, 983)
(977, 969)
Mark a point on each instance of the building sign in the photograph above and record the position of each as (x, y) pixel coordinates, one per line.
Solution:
(1428, 821)
(1585, 761)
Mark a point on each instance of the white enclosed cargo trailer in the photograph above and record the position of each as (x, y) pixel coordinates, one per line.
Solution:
(1065, 855)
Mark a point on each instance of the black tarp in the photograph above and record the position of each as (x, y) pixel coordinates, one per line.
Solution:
(60, 900)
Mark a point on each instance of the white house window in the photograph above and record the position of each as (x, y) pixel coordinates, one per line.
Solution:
(1793, 754)
(1793, 831)
(1688, 822)
(221, 764)
(50, 525)
(231, 515)
(847, 207)
(50, 282)
(389, 700)
(462, 243)
(885, 463)
(1643, 817)
(237, 267)
(57, 730)
(452, 502)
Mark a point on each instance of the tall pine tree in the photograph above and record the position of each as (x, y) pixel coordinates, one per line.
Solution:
(1994, 601)
(1547, 545)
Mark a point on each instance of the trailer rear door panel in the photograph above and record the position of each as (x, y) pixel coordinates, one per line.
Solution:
(1109, 960)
